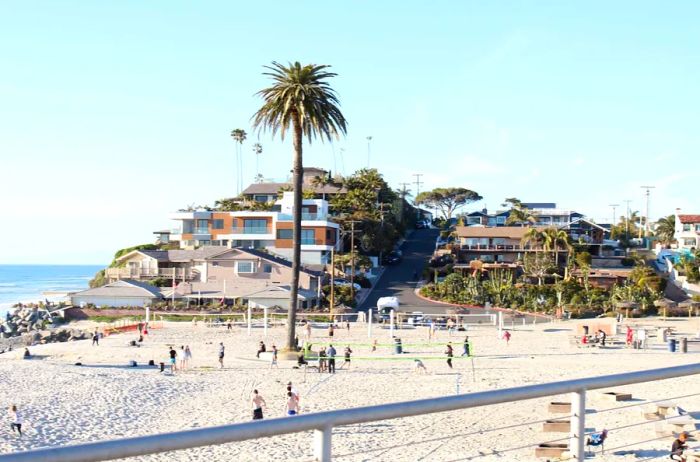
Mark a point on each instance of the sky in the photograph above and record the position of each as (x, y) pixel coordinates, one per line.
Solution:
(114, 114)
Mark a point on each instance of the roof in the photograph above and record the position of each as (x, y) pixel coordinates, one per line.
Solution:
(179, 255)
(280, 292)
(540, 205)
(122, 288)
(584, 220)
(689, 218)
(510, 232)
(274, 188)
(275, 259)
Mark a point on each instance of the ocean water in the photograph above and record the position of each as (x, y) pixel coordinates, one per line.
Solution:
(25, 283)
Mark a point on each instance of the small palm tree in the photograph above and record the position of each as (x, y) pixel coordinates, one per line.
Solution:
(666, 229)
(239, 136)
(301, 100)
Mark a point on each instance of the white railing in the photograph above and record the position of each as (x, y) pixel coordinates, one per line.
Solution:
(136, 273)
(322, 423)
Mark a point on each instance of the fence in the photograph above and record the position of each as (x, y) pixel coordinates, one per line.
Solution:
(322, 423)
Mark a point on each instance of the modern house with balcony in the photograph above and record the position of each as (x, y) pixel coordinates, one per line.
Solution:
(269, 191)
(270, 230)
(687, 231)
(497, 244)
(545, 214)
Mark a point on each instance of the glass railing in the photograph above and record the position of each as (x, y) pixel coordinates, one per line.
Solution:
(304, 216)
(251, 230)
(201, 231)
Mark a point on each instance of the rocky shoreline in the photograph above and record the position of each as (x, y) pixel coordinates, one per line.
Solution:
(32, 325)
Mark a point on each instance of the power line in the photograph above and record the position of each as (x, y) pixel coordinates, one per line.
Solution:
(614, 206)
(418, 182)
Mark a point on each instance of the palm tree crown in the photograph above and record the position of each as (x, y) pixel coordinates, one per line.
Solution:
(300, 99)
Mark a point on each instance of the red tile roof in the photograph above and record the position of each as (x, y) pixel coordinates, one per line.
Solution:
(689, 218)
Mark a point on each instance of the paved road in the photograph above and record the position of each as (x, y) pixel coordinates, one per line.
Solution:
(398, 280)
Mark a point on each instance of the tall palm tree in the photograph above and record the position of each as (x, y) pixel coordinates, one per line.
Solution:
(534, 237)
(301, 100)
(239, 135)
(257, 150)
(666, 229)
(555, 239)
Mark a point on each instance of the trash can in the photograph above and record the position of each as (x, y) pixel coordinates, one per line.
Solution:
(398, 349)
(672, 345)
(684, 345)
(585, 330)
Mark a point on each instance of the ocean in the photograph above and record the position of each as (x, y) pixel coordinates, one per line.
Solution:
(25, 283)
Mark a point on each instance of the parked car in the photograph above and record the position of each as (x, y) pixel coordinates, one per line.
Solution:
(343, 282)
(392, 258)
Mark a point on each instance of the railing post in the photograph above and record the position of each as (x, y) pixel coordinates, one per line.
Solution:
(578, 425)
(369, 323)
(322, 444)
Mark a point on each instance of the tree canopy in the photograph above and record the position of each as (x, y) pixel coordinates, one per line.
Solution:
(447, 200)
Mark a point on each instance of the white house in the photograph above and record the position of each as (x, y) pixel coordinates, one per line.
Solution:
(125, 292)
(687, 232)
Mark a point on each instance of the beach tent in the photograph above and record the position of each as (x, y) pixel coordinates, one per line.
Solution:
(125, 292)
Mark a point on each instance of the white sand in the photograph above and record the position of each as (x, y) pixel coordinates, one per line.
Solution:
(65, 404)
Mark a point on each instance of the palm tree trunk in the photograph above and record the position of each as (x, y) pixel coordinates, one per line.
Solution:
(296, 234)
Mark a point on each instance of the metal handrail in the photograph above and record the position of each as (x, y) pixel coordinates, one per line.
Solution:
(323, 422)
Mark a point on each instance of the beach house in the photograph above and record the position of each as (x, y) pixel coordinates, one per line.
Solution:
(270, 230)
(315, 180)
(687, 232)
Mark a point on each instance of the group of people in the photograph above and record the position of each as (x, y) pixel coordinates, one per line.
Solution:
(599, 338)
(180, 361)
(291, 405)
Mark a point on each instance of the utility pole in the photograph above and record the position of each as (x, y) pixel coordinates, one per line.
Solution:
(352, 258)
(332, 279)
(369, 140)
(614, 206)
(646, 221)
(418, 182)
(627, 221)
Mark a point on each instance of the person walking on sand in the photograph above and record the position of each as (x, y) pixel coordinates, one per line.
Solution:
(292, 405)
(419, 367)
(449, 352)
(258, 403)
(331, 359)
(374, 345)
(15, 420)
(347, 325)
(261, 349)
(273, 360)
(229, 326)
(330, 329)
(466, 347)
(96, 338)
(221, 354)
(308, 329)
(173, 360)
(181, 358)
(506, 336)
(188, 356)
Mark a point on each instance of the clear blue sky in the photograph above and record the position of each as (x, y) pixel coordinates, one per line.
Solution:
(113, 114)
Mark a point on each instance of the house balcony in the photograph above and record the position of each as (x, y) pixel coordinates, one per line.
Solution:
(499, 247)
(251, 230)
(304, 217)
(148, 273)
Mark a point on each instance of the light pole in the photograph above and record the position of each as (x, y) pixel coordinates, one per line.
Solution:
(369, 141)
(613, 207)
(646, 220)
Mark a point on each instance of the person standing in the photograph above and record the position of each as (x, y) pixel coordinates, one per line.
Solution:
(261, 348)
(15, 420)
(273, 360)
(173, 360)
(466, 347)
(331, 359)
(347, 325)
(258, 403)
(292, 405)
(506, 336)
(96, 338)
(229, 326)
(181, 357)
(449, 352)
(308, 329)
(347, 354)
(330, 329)
(188, 356)
(221, 354)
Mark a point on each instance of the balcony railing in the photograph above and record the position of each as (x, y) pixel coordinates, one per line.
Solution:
(200, 230)
(511, 247)
(251, 230)
(139, 273)
(308, 241)
(304, 216)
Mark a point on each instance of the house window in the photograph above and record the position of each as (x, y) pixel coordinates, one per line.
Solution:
(255, 226)
(217, 224)
(697, 227)
(501, 220)
(244, 267)
(686, 227)
(308, 236)
(267, 268)
(204, 242)
(473, 220)
(187, 226)
(261, 198)
(492, 221)
(284, 234)
(689, 242)
(215, 263)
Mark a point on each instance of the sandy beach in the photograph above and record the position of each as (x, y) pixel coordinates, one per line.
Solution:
(104, 398)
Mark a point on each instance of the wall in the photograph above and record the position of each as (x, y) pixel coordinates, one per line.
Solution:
(281, 275)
